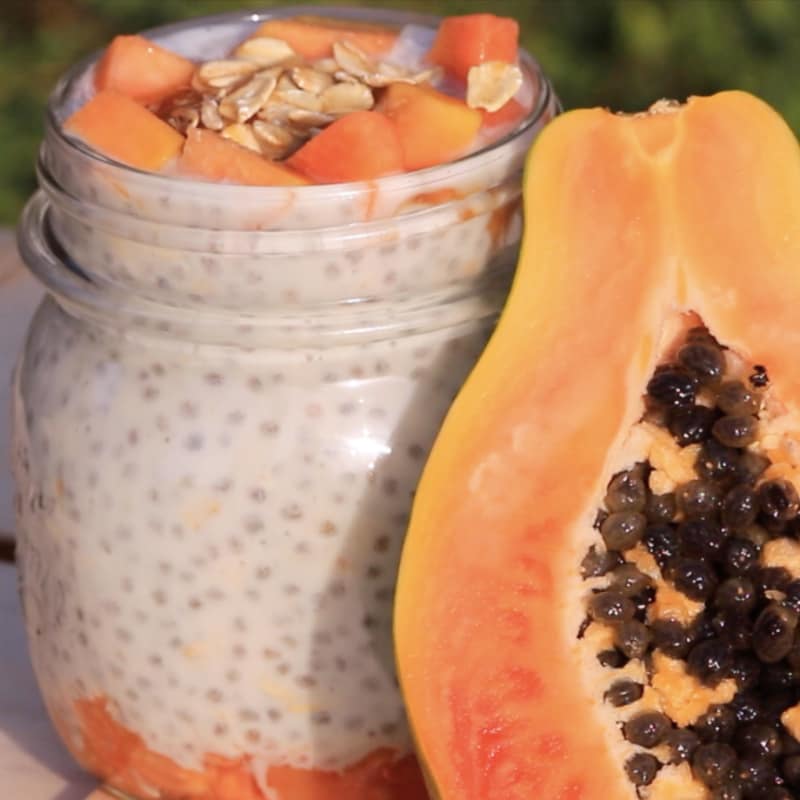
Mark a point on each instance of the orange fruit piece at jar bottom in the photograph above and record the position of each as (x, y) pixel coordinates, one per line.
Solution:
(378, 776)
(122, 759)
(433, 127)
(122, 129)
(208, 155)
(359, 146)
(140, 69)
(313, 37)
(465, 41)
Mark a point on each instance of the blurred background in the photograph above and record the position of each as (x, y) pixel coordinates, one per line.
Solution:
(623, 54)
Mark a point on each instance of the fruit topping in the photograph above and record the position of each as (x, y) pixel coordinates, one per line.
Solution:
(210, 156)
(433, 127)
(140, 69)
(467, 41)
(122, 129)
(313, 37)
(360, 146)
(293, 78)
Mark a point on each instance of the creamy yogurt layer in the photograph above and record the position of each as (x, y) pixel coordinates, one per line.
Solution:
(220, 417)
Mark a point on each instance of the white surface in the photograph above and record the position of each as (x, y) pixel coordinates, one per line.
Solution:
(33, 764)
(19, 296)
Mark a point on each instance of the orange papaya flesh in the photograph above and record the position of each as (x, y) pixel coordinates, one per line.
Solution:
(433, 127)
(378, 776)
(361, 145)
(465, 41)
(638, 229)
(142, 70)
(122, 759)
(510, 113)
(209, 155)
(122, 129)
(313, 37)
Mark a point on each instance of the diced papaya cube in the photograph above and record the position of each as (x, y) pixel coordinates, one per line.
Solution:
(313, 37)
(126, 131)
(140, 69)
(433, 127)
(510, 113)
(359, 146)
(465, 41)
(208, 155)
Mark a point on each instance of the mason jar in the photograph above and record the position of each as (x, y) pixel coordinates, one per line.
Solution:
(219, 417)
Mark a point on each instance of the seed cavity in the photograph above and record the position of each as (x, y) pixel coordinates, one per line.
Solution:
(695, 576)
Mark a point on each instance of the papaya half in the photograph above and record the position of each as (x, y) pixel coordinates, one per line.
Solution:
(599, 591)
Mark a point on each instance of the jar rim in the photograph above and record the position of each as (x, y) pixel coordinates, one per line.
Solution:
(107, 305)
(227, 192)
(327, 238)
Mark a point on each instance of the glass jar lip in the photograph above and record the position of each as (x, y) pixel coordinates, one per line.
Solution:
(318, 192)
(107, 304)
(326, 239)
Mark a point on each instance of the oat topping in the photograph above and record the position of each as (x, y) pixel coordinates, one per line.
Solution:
(269, 99)
(492, 84)
(265, 51)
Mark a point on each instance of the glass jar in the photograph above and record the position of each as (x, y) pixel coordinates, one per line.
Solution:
(220, 415)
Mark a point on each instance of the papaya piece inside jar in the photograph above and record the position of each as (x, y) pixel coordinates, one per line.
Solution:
(433, 127)
(463, 42)
(119, 756)
(209, 155)
(142, 70)
(361, 145)
(510, 113)
(126, 131)
(599, 593)
(378, 776)
(313, 37)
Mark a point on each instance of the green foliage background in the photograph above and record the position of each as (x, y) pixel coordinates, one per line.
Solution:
(618, 53)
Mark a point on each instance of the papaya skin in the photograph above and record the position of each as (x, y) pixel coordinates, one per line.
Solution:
(630, 222)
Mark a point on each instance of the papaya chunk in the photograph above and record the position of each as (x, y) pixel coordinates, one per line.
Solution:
(122, 129)
(359, 146)
(208, 155)
(378, 776)
(140, 69)
(122, 758)
(465, 41)
(313, 37)
(510, 113)
(433, 126)
(658, 275)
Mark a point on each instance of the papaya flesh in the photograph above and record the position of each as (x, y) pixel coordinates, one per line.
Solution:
(361, 145)
(141, 70)
(313, 36)
(118, 126)
(208, 155)
(644, 234)
(418, 111)
(107, 748)
(465, 41)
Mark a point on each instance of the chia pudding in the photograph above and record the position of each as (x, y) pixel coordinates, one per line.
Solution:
(220, 415)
